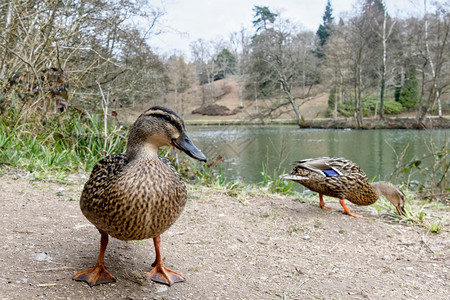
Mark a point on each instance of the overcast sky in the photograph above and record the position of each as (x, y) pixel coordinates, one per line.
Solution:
(212, 19)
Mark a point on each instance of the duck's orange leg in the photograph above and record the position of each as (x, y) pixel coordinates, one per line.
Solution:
(97, 274)
(160, 273)
(322, 203)
(347, 210)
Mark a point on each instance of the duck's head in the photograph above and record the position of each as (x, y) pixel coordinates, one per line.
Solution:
(393, 194)
(160, 126)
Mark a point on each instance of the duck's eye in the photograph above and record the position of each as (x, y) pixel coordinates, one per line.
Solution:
(166, 117)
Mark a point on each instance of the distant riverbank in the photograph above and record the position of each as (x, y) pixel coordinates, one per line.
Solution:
(388, 123)
(368, 123)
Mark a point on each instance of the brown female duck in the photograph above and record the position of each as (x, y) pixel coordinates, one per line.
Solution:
(138, 195)
(343, 179)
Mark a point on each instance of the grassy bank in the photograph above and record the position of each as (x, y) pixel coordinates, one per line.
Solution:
(67, 143)
(72, 143)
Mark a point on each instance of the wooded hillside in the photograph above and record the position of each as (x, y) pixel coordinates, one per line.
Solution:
(87, 55)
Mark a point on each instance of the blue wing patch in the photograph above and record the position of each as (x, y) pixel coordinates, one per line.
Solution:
(331, 173)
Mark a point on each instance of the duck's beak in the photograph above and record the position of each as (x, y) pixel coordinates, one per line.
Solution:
(185, 144)
(401, 210)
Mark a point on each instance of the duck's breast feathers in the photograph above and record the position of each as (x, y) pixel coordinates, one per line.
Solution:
(155, 176)
(103, 173)
(170, 166)
(141, 201)
(149, 192)
(115, 176)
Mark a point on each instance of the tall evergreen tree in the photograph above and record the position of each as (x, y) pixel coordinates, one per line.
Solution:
(262, 16)
(226, 64)
(324, 31)
(409, 96)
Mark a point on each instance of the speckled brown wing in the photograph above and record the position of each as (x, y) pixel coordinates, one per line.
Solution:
(347, 167)
(342, 181)
(105, 171)
(353, 184)
(103, 174)
(142, 201)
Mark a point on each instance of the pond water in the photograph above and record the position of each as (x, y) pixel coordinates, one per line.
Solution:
(247, 149)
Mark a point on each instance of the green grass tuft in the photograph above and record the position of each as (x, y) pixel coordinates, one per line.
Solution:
(61, 146)
(416, 212)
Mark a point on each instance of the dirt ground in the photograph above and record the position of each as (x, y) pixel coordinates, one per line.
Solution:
(255, 246)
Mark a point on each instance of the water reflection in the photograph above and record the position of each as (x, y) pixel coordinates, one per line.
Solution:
(247, 149)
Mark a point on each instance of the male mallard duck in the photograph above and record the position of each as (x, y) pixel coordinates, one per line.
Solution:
(138, 195)
(343, 179)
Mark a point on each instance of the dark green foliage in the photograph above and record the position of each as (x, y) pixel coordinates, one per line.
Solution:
(324, 31)
(226, 64)
(409, 96)
(390, 107)
(398, 88)
(262, 16)
(332, 98)
(264, 80)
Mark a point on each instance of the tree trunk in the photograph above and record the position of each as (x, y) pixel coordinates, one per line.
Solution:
(382, 94)
(304, 77)
(422, 94)
(241, 98)
(434, 92)
(176, 99)
(383, 68)
(432, 96)
(439, 107)
(296, 110)
(203, 95)
(336, 103)
(4, 36)
(358, 101)
(291, 98)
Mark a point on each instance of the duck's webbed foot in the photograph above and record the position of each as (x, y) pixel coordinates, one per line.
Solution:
(160, 273)
(96, 275)
(163, 275)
